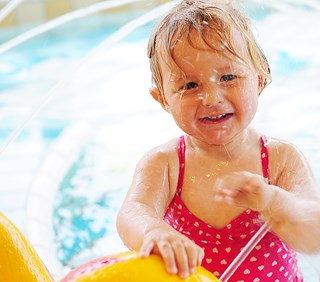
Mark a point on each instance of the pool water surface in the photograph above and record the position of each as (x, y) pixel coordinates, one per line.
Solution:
(107, 90)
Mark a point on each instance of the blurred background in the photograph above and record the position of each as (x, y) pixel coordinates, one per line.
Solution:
(75, 113)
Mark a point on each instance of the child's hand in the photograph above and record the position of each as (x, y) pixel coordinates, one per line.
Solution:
(180, 254)
(244, 189)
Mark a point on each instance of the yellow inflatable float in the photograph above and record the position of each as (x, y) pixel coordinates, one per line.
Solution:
(20, 263)
(18, 260)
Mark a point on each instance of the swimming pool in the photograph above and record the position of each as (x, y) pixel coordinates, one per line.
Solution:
(82, 146)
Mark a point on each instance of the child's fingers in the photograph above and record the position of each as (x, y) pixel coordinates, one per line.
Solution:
(181, 258)
(232, 200)
(147, 248)
(200, 256)
(194, 254)
(167, 253)
(235, 197)
(165, 250)
(192, 257)
(226, 195)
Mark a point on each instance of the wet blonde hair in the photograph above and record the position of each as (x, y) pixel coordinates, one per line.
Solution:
(204, 16)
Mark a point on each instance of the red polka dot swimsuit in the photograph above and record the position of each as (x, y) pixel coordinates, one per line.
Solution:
(270, 260)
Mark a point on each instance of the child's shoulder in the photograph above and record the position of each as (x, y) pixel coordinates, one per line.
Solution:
(282, 153)
(288, 166)
(165, 152)
(281, 145)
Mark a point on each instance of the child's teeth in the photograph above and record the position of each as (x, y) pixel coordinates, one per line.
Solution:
(218, 117)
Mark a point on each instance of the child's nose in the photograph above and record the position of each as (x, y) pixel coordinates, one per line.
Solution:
(212, 97)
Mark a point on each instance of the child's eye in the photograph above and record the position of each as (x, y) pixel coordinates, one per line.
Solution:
(190, 85)
(227, 77)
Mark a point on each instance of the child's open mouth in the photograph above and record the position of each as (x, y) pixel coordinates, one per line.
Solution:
(216, 118)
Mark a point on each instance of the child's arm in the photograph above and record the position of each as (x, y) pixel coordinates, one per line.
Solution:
(140, 222)
(291, 205)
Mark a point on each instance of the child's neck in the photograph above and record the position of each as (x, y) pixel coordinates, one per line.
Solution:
(238, 146)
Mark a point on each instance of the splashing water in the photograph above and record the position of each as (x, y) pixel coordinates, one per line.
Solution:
(6, 10)
(62, 20)
(283, 6)
(121, 33)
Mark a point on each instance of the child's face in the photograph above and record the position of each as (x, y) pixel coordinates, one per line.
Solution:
(219, 97)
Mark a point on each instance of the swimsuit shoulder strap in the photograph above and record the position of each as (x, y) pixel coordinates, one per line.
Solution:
(264, 157)
(181, 154)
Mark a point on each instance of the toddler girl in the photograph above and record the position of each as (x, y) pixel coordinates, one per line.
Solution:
(198, 199)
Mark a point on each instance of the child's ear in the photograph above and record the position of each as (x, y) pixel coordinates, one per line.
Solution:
(155, 93)
(260, 83)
